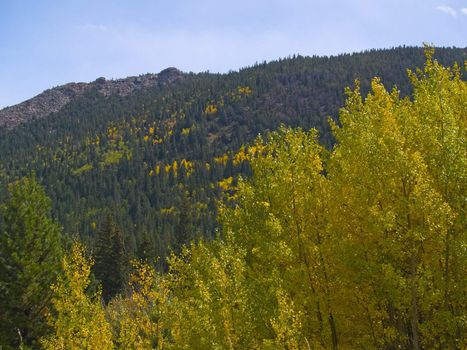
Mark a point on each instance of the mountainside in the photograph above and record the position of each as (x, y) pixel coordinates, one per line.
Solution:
(159, 150)
(53, 100)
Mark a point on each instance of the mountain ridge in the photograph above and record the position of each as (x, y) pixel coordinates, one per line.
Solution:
(55, 99)
(159, 153)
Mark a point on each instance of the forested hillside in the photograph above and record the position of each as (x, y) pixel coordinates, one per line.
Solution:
(358, 245)
(158, 158)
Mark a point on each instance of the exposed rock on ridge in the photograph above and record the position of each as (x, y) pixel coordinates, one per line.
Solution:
(53, 100)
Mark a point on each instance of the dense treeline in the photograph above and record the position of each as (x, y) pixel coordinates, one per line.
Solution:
(357, 247)
(155, 158)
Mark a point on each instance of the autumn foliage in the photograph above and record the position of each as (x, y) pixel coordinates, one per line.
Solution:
(360, 247)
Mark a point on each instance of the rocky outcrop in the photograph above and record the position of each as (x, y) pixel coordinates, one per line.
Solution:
(53, 100)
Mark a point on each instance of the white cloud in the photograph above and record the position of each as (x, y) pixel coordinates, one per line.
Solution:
(448, 10)
(93, 27)
(464, 10)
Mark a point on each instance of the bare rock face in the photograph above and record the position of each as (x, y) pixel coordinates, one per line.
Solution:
(53, 100)
(49, 101)
(169, 75)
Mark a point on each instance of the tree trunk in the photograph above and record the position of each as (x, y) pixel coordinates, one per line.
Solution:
(414, 311)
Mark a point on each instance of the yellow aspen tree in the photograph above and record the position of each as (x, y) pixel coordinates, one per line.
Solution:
(391, 212)
(439, 132)
(138, 320)
(79, 321)
(279, 221)
(208, 304)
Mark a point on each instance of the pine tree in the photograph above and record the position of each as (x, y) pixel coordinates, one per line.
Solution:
(30, 253)
(111, 260)
(184, 229)
(146, 249)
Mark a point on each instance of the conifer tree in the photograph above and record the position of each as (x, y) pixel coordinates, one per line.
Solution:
(111, 260)
(184, 230)
(146, 249)
(30, 253)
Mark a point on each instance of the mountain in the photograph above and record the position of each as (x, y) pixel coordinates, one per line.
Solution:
(55, 99)
(158, 151)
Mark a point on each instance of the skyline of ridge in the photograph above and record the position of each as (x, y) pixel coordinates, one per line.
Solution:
(45, 44)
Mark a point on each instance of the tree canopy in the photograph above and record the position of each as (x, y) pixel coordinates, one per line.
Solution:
(358, 247)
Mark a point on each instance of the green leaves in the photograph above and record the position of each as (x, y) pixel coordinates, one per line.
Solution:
(30, 253)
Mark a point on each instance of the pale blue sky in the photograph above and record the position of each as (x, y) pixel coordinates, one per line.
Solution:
(45, 43)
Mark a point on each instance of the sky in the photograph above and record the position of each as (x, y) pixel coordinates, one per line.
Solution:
(45, 43)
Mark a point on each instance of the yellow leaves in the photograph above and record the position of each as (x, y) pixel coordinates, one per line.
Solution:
(208, 298)
(168, 211)
(185, 131)
(389, 171)
(138, 319)
(175, 167)
(188, 166)
(112, 157)
(210, 109)
(226, 184)
(287, 325)
(254, 150)
(80, 322)
(244, 90)
(240, 157)
(113, 133)
(156, 171)
(143, 281)
(83, 169)
(201, 206)
(222, 160)
(235, 95)
(153, 138)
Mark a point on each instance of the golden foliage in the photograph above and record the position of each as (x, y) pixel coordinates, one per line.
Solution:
(222, 160)
(80, 321)
(244, 90)
(210, 109)
(226, 184)
(138, 319)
